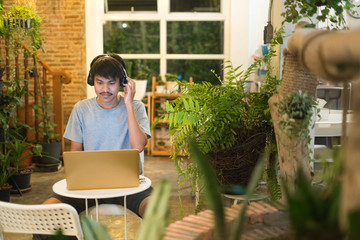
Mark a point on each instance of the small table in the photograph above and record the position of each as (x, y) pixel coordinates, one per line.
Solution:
(60, 188)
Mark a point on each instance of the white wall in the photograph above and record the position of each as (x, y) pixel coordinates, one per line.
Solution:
(93, 9)
(248, 19)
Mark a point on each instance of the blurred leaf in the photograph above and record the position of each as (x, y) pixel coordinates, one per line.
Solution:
(156, 215)
(212, 191)
(93, 230)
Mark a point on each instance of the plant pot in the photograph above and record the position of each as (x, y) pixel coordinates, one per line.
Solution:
(6, 21)
(22, 180)
(5, 193)
(172, 86)
(140, 89)
(51, 153)
(235, 165)
(28, 23)
(160, 89)
(26, 158)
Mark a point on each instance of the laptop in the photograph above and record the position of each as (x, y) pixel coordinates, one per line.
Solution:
(101, 169)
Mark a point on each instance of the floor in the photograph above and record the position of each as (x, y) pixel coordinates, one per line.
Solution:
(156, 168)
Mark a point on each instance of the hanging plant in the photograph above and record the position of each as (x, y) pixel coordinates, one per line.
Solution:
(330, 11)
(22, 23)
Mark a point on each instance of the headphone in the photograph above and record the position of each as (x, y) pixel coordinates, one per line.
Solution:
(112, 62)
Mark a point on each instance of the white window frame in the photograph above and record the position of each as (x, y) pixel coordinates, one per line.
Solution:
(94, 30)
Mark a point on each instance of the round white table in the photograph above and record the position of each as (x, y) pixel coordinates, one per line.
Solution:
(60, 188)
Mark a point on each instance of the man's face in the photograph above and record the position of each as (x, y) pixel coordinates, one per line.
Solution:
(106, 90)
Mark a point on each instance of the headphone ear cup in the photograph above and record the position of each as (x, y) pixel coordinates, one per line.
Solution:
(123, 82)
(90, 80)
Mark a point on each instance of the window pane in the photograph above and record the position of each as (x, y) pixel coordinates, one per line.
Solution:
(195, 6)
(205, 37)
(132, 36)
(151, 67)
(200, 70)
(132, 5)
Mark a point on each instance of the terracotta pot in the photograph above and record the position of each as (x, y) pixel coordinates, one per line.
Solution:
(26, 158)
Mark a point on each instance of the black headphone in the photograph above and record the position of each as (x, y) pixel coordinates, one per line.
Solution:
(109, 63)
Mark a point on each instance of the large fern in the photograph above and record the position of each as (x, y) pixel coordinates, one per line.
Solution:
(215, 114)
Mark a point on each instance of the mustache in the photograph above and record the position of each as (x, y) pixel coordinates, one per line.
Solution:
(106, 93)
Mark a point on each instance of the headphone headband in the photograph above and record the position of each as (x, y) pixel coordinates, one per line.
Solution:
(107, 65)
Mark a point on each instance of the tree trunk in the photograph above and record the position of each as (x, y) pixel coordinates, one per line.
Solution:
(350, 199)
(292, 153)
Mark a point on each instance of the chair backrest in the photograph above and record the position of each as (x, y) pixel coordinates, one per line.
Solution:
(39, 219)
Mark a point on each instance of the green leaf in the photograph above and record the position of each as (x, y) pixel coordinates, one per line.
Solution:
(213, 190)
(93, 230)
(156, 215)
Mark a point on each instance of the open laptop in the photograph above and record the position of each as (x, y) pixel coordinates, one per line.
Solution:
(101, 169)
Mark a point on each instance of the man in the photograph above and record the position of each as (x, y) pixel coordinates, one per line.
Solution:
(109, 122)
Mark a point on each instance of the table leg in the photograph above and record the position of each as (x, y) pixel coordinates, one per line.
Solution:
(86, 207)
(125, 210)
(97, 209)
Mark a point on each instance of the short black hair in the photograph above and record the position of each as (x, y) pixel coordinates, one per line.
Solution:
(109, 65)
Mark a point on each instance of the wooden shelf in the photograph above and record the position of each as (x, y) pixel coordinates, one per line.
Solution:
(156, 100)
(160, 152)
(165, 95)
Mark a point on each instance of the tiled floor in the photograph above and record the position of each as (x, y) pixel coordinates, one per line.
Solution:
(156, 168)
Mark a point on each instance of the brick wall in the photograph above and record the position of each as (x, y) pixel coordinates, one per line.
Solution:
(64, 33)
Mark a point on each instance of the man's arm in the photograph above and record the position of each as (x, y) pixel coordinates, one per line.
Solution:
(75, 146)
(137, 137)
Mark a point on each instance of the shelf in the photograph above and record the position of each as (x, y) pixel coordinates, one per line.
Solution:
(161, 152)
(161, 121)
(158, 99)
(165, 95)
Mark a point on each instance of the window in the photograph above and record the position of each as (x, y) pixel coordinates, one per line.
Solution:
(131, 37)
(195, 37)
(198, 69)
(183, 37)
(195, 6)
(130, 5)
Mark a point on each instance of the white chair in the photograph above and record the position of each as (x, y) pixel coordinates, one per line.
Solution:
(39, 219)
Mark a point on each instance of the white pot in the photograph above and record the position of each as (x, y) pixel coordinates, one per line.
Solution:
(172, 86)
(140, 89)
(160, 89)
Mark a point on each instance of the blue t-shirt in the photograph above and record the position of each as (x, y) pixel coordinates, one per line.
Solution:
(104, 129)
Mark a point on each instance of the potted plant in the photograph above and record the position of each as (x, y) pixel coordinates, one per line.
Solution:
(171, 82)
(51, 144)
(23, 25)
(5, 174)
(230, 125)
(331, 11)
(11, 93)
(160, 85)
(141, 80)
(17, 150)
